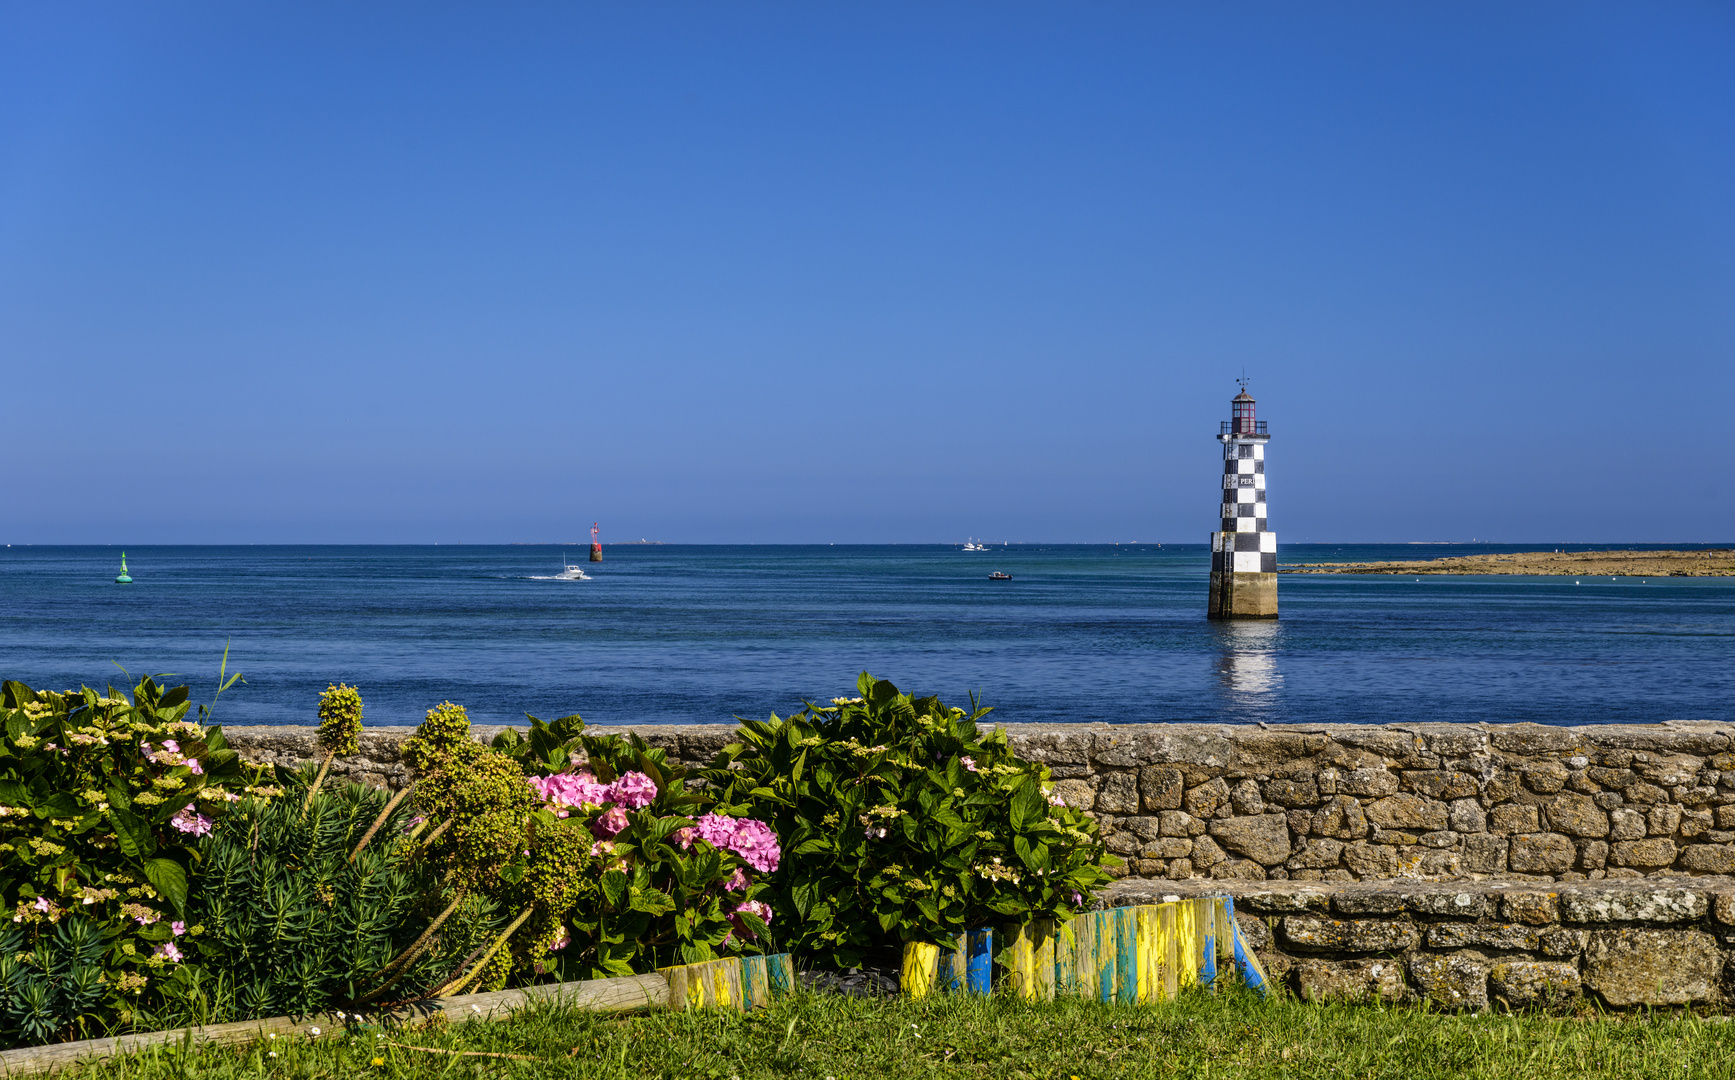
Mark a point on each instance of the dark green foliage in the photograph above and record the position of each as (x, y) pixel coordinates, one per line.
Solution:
(56, 989)
(283, 923)
(549, 748)
(901, 821)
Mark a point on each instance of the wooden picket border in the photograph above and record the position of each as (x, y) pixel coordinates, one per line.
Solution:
(737, 982)
(1144, 954)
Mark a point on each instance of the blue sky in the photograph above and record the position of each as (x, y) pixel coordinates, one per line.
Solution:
(873, 273)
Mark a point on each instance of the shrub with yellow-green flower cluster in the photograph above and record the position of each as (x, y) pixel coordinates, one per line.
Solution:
(102, 799)
(478, 801)
(339, 719)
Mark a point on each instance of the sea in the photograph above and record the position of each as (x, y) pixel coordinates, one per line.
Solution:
(667, 634)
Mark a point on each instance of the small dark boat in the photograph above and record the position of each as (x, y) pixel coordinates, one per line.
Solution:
(998, 576)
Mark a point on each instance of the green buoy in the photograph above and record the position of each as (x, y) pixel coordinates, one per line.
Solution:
(125, 578)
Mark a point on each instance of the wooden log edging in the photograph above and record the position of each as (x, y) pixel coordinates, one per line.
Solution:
(627, 993)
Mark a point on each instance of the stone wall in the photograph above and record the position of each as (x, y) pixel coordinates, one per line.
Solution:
(1487, 944)
(1335, 803)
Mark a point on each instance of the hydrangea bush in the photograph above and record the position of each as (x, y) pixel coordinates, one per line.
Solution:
(903, 822)
(103, 798)
(595, 844)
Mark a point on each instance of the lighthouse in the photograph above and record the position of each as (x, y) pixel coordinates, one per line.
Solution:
(1244, 553)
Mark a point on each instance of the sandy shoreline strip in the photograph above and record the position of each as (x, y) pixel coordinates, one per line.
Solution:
(1640, 564)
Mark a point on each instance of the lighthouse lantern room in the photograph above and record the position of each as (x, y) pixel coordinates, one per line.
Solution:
(1244, 553)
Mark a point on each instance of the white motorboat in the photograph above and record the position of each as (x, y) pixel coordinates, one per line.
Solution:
(972, 545)
(570, 571)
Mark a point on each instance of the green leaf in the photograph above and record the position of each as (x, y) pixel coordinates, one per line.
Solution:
(62, 804)
(567, 728)
(756, 927)
(167, 877)
(131, 833)
(1027, 804)
(614, 887)
(651, 901)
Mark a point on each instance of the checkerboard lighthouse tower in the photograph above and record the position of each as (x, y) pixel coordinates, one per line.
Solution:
(1244, 554)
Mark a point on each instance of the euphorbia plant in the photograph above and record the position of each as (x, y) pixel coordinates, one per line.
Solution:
(904, 822)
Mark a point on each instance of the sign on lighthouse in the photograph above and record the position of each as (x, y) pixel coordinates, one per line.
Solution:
(1244, 553)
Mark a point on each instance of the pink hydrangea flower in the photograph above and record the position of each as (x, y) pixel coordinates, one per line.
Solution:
(749, 838)
(602, 847)
(570, 790)
(737, 881)
(968, 762)
(41, 903)
(756, 907)
(194, 767)
(171, 746)
(609, 823)
(685, 837)
(634, 790)
(168, 951)
(191, 822)
(562, 941)
(177, 928)
(716, 830)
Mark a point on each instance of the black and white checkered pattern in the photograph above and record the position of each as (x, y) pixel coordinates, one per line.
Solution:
(1244, 545)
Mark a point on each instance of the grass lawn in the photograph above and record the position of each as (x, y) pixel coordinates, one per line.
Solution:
(822, 1035)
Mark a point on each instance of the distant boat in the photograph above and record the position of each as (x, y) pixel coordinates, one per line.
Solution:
(999, 576)
(124, 578)
(570, 571)
(972, 545)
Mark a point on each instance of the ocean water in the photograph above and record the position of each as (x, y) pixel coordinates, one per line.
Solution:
(684, 634)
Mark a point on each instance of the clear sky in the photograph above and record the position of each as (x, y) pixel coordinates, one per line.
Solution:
(876, 272)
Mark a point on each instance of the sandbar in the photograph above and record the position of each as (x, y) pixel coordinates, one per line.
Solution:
(1640, 564)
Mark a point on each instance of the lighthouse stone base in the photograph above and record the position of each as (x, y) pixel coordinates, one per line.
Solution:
(1243, 596)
